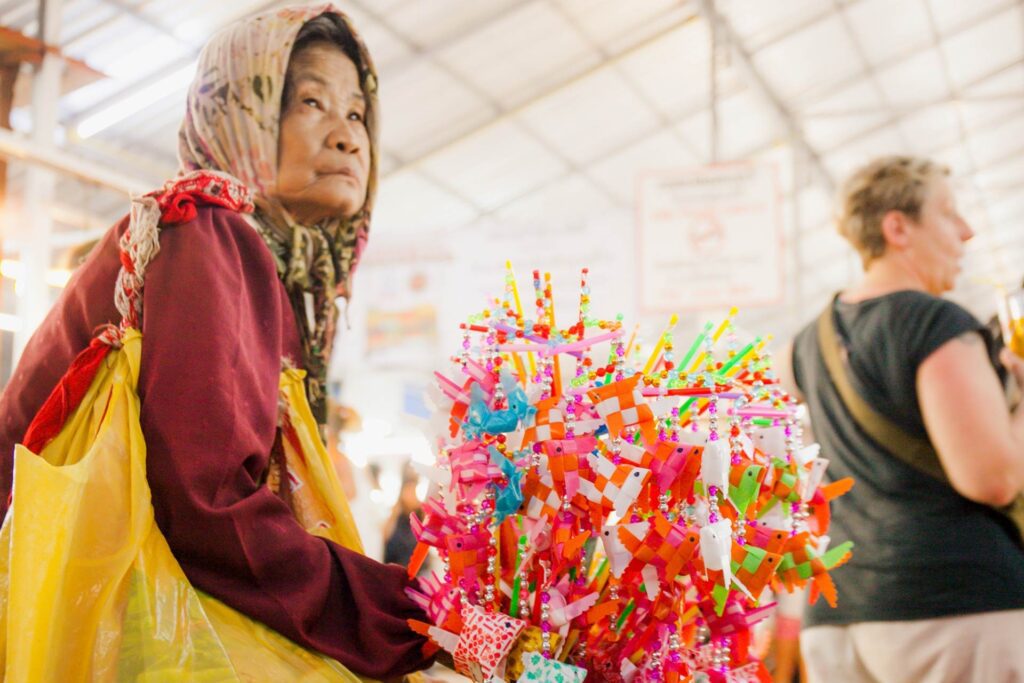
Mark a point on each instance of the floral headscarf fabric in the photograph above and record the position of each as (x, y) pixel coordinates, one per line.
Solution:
(232, 125)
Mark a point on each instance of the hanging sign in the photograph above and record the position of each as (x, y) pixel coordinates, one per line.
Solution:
(710, 237)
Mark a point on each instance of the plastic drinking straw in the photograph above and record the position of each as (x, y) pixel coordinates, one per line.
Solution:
(630, 606)
(761, 412)
(632, 338)
(672, 321)
(740, 356)
(519, 311)
(725, 323)
(696, 345)
(517, 584)
(549, 301)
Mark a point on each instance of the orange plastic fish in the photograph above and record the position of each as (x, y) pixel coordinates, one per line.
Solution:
(819, 505)
(467, 558)
(754, 567)
(548, 423)
(564, 463)
(666, 546)
(621, 405)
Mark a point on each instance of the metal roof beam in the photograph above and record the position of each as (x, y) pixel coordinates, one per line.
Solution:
(753, 75)
(899, 116)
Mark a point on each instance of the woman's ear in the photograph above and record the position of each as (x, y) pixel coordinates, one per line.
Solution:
(896, 229)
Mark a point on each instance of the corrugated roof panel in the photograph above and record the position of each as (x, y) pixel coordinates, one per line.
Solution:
(495, 165)
(860, 96)
(884, 28)
(1007, 83)
(435, 23)
(988, 145)
(757, 21)
(986, 48)
(520, 55)
(802, 62)
(619, 172)
(80, 16)
(928, 128)
(422, 108)
(747, 125)
(590, 116)
(951, 13)
(673, 72)
(846, 159)
(696, 128)
(828, 132)
(609, 21)
(916, 81)
(1009, 171)
(450, 144)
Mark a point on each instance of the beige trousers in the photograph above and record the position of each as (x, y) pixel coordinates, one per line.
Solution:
(978, 648)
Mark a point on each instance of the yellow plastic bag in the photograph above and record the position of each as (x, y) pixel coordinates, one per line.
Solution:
(89, 589)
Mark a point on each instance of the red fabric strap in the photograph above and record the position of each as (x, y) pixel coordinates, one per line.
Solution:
(65, 397)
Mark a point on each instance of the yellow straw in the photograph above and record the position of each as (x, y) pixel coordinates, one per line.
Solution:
(519, 319)
(725, 323)
(632, 338)
(661, 344)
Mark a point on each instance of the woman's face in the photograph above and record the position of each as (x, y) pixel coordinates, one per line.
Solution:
(938, 243)
(324, 147)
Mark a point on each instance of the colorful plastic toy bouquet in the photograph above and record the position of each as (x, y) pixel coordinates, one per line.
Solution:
(626, 524)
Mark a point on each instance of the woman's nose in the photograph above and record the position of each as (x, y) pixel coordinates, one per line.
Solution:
(966, 231)
(343, 139)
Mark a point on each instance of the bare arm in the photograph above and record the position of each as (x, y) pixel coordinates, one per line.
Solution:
(979, 442)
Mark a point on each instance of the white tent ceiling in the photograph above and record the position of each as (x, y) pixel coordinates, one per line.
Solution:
(520, 108)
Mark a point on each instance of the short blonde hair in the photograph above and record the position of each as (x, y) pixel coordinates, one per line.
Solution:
(892, 183)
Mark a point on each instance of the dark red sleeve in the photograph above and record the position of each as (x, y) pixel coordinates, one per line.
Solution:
(214, 330)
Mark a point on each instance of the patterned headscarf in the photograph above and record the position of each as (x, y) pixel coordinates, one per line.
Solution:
(232, 125)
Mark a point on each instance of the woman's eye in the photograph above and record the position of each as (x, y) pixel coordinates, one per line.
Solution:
(312, 102)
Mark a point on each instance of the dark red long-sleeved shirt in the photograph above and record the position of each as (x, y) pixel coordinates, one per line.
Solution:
(216, 325)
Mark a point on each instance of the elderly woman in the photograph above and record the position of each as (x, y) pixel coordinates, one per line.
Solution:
(935, 591)
(283, 109)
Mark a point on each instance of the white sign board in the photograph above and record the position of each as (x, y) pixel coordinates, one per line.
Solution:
(710, 237)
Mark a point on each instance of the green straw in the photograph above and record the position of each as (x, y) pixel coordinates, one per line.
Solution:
(740, 356)
(517, 584)
(630, 606)
(696, 345)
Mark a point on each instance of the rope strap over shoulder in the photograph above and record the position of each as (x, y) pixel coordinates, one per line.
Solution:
(175, 203)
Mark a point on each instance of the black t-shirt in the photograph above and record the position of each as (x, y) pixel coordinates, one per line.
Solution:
(922, 550)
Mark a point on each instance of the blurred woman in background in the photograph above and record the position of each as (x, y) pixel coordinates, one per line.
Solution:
(904, 397)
